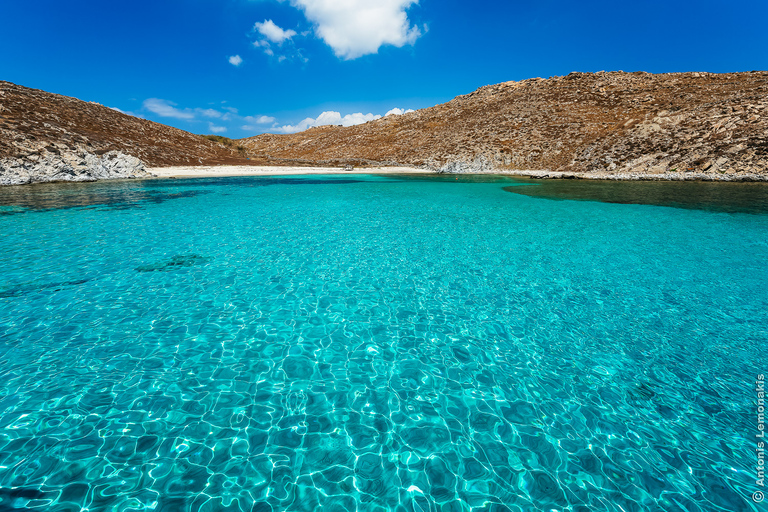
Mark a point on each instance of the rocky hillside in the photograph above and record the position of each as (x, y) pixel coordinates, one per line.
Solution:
(48, 137)
(610, 125)
(606, 125)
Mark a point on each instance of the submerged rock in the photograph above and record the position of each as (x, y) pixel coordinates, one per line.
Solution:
(24, 289)
(176, 262)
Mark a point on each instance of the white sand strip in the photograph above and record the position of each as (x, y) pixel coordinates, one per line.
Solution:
(210, 171)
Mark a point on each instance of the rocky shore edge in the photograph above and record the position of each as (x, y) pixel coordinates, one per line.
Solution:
(74, 166)
(86, 167)
(483, 166)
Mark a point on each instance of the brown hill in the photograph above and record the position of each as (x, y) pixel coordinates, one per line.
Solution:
(629, 125)
(48, 137)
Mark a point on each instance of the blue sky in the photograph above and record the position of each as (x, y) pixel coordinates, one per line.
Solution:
(243, 67)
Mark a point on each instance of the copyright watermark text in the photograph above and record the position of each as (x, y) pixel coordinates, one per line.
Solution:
(758, 496)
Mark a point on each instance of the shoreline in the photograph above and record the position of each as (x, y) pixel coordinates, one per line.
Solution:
(222, 171)
(226, 171)
(638, 176)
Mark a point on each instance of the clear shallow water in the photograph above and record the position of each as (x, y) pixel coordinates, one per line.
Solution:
(375, 343)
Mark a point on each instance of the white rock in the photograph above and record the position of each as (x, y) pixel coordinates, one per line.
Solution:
(479, 165)
(74, 166)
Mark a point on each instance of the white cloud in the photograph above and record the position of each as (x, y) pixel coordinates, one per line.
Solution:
(230, 119)
(165, 108)
(335, 118)
(353, 28)
(398, 112)
(274, 35)
(209, 112)
(127, 112)
(235, 60)
(196, 116)
(328, 118)
(259, 119)
(255, 120)
(272, 32)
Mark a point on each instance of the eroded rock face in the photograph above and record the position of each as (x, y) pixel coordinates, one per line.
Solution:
(73, 166)
(607, 125)
(479, 165)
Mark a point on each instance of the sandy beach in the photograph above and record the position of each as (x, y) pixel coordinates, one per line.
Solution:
(272, 170)
(211, 171)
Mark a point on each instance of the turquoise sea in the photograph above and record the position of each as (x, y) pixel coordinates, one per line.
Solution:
(377, 343)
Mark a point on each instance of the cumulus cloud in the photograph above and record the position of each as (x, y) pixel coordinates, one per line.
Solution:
(272, 32)
(216, 129)
(353, 28)
(335, 118)
(256, 120)
(327, 118)
(235, 60)
(165, 108)
(398, 112)
(275, 39)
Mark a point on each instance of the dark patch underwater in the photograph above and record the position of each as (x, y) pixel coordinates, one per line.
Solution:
(725, 197)
(175, 263)
(113, 195)
(24, 289)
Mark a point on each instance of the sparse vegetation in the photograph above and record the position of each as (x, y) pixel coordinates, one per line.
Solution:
(226, 141)
(221, 140)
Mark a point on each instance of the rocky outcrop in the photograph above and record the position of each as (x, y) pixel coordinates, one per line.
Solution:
(71, 166)
(479, 165)
(48, 137)
(605, 125)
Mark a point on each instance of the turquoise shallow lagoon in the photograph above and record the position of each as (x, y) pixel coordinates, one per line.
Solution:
(380, 343)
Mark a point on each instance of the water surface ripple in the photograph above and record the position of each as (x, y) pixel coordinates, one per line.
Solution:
(409, 344)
